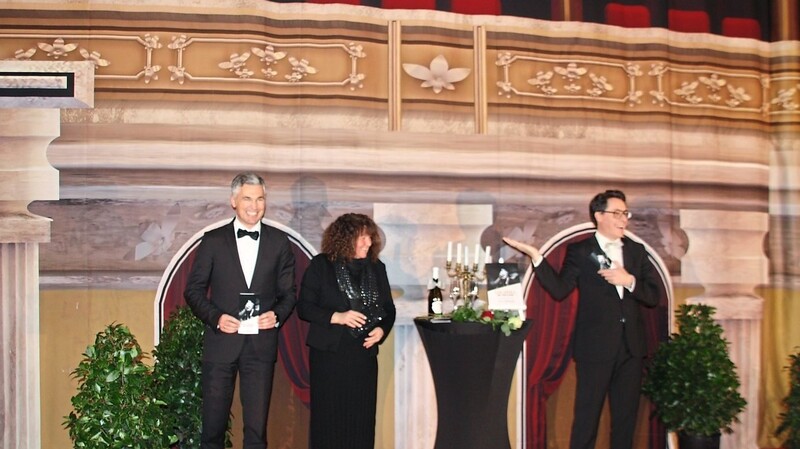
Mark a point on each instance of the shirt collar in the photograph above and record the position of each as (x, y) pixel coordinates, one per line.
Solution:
(604, 241)
(239, 225)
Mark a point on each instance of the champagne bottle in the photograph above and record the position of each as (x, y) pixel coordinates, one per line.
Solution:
(434, 295)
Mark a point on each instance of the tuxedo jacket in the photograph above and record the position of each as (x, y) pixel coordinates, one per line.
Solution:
(217, 279)
(603, 319)
(320, 297)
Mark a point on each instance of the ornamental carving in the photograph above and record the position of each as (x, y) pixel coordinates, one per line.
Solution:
(258, 61)
(731, 91)
(195, 62)
(567, 79)
(438, 75)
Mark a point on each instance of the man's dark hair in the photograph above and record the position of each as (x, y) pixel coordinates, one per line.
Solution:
(600, 202)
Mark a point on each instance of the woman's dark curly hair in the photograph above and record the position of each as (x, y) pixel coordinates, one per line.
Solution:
(339, 238)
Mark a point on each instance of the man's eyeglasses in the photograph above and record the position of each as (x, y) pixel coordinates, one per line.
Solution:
(618, 213)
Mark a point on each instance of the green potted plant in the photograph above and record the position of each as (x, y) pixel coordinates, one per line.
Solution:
(114, 407)
(692, 381)
(790, 419)
(177, 374)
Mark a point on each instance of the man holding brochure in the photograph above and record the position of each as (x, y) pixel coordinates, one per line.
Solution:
(242, 269)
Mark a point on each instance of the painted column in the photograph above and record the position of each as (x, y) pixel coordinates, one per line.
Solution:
(29, 121)
(726, 256)
(416, 240)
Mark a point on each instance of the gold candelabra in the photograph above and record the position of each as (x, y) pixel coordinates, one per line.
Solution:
(464, 281)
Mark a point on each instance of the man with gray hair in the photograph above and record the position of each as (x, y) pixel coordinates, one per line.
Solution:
(242, 262)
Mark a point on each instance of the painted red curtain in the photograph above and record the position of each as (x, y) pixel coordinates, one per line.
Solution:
(548, 350)
(292, 348)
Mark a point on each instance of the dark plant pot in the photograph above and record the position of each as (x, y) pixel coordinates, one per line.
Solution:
(698, 441)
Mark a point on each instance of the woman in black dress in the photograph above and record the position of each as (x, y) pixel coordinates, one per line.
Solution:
(345, 296)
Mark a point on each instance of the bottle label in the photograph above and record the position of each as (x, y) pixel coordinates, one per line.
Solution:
(436, 307)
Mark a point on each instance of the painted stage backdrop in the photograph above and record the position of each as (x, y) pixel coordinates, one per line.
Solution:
(442, 127)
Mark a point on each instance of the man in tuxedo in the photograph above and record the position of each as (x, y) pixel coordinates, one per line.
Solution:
(243, 257)
(608, 338)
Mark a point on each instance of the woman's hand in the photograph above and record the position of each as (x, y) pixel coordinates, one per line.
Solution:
(351, 318)
(373, 338)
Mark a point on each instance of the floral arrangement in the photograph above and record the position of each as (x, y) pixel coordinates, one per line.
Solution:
(504, 320)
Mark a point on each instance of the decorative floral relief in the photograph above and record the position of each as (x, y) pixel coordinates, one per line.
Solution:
(688, 92)
(583, 79)
(657, 70)
(786, 100)
(714, 83)
(300, 69)
(58, 48)
(179, 42)
(94, 57)
(738, 96)
(268, 56)
(600, 85)
(150, 72)
(24, 55)
(634, 96)
(178, 71)
(356, 52)
(438, 76)
(151, 42)
(571, 72)
(237, 64)
(157, 238)
(543, 82)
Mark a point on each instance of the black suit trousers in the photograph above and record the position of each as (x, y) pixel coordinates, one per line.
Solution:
(621, 378)
(255, 389)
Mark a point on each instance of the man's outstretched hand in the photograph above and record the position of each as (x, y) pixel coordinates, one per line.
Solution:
(524, 248)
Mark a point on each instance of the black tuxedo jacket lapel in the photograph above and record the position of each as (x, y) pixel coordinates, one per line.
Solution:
(233, 250)
(258, 273)
(627, 252)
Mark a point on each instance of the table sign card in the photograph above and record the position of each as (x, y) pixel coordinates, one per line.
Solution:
(504, 287)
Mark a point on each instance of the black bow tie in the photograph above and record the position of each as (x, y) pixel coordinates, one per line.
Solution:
(241, 233)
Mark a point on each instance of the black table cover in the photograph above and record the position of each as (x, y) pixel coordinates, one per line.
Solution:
(472, 367)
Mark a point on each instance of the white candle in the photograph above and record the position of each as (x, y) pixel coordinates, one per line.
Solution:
(477, 253)
(488, 256)
(449, 251)
(458, 253)
(466, 255)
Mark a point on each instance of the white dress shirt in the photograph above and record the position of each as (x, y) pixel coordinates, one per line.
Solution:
(613, 249)
(248, 249)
